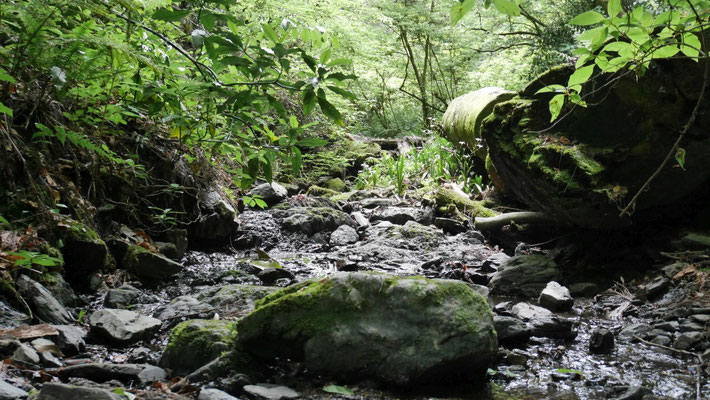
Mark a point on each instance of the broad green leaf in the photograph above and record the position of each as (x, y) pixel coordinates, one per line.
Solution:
(588, 18)
(343, 92)
(581, 75)
(666, 51)
(164, 14)
(5, 77)
(310, 61)
(551, 89)
(691, 45)
(338, 390)
(208, 19)
(614, 7)
(5, 109)
(590, 34)
(341, 76)
(325, 56)
(293, 121)
(638, 35)
(312, 142)
(340, 61)
(296, 159)
(556, 105)
(460, 9)
(328, 109)
(309, 100)
(680, 157)
(507, 7)
(270, 33)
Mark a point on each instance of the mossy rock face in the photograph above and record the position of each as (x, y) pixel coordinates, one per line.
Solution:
(335, 184)
(400, 331)
(194, 343)
(84, 252)
(589, 164)
(446, 197)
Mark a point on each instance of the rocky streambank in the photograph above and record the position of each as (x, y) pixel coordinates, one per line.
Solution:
(357, 296)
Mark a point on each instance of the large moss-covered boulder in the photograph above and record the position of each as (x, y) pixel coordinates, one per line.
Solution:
(591, 162)
(465, 114)
(400, 331)
(194, 343)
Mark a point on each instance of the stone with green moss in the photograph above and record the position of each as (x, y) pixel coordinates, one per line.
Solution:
(335, 184)
(445, 197)
(310, 220)
(321, 191)
(194, 343)
(148, 266)
(400, 331)
(83, 251)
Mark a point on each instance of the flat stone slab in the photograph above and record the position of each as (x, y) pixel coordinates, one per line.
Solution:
(122, 327)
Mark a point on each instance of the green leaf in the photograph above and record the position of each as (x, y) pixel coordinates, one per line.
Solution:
(5, 109)
(296, 159)
(666, 51)
(312, 142)
(270, 33)
(310, 61)
(7, 77)
(691, 45)
(343, 92)
(309, 100)
(507, 7)
(340, 61)
(338, 390)
(208, 19)
(325, 56)
(614, 7)
(459, 10)
(328, 109)
(556, 105)
(551, 89)
(167, 15)
(581, 75)
(588, 18)
(680, 157)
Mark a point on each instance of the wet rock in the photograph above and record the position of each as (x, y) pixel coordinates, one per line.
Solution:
(504, 308)
(668, 326)
(360, 219)
(700, 318)
(559, 376)
(374, 203)
(657, 287)
(338, 326)
(636, 329)
(194, 343)
(525, 275)
(214, 394)
(344, 235)
(511, 331)
(168, 250)
(687, 340)
(690, 326)
(601, 341)
(527, 312)
(494, 261)
(121, 327)
(126, 373)
(26, 355)
(184, 307)
(149, 267)
(480, 289)
(629, 392)
(556, 297)
(271, 392)
(663, 340)
(49, 360)
(10, 392)
(177, 237)
(59, 391)
(272, 193)
(217, 222)
(45, 306)
(11, 318)
(553, 327)
(42, 345)
(127, 296)
(236, 299)
(585, 289)
(401, 215)
(84, 251)
(450, 225)
(269, 276)
(311, 220)
(61, 290)
(695, 241)
(71, 339)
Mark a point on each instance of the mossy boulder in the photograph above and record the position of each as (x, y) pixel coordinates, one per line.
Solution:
(588, 165)
(194, 343)
(400, 331)
(84, 251)
(447, 197)
(150, 267)
(335, 184)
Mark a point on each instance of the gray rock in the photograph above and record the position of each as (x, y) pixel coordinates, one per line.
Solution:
(269, 276)
(375, 202)
(218, 221)
(450, 225)
(663, 340)
(49, 360)
(528, 312)
(238, 300)
(150, 267)
(402, 215)
(556, 297)
(184, 307)
(121, 327)
(344, 235)
(43, 303)
(25, 354)
(271, 392)
(168, 250)
(524, 276)
(553, 327)
(11, 318)
(272, 193)
(61, 290)
(657, 287)
(601, 341)
(42, 345)
(126, 296)
(402, 331)
(194, 343)
(632, 393)
(311, 220)
(636, 329)
(687, 340)
(59, 391)
(585, 289)
(360, 219)
(668, 326)
(511, 331)
(71, 339)
(690, 326)
(126, 373)
(177, 237)
(701, 318)
(214, 394)
(480, 289)
(10, 392)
